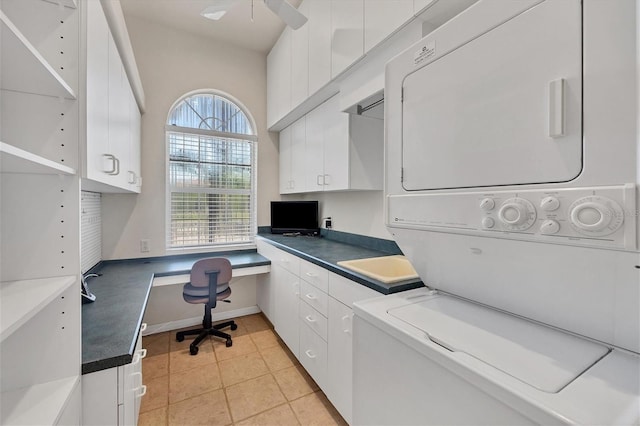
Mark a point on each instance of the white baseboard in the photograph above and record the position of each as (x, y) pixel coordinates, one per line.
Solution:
(188, 322)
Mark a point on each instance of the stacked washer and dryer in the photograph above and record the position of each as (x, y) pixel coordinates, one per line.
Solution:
(512, 185)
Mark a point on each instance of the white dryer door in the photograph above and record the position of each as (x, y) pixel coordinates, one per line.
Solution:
(503, 108)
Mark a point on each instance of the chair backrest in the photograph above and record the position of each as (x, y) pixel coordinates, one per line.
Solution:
(199, 278)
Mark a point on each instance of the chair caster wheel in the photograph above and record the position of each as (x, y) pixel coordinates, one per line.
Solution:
(193, 350)
(229, 343)
(234, 327)
(179, 338)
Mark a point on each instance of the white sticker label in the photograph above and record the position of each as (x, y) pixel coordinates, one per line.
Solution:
(427, 51)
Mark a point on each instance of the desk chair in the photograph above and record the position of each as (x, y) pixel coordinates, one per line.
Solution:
(209, 283)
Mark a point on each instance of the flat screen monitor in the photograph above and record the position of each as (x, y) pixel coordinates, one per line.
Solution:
(294, 217)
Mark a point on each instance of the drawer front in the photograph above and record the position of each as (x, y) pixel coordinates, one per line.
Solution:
(279, 257)
(314, 275)
(318, 299)
(313, 355)
(347, 291)
(314, 320)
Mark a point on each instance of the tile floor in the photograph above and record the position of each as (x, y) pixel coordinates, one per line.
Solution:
(257, 381)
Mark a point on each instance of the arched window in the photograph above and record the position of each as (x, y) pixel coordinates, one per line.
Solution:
(211, 172)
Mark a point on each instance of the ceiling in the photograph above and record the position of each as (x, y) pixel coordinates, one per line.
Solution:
(236, 26)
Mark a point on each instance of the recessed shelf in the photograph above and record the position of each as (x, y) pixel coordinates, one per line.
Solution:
(41, 404)
(16, 160)
(24, 69)
(73, 4)
(22, 300)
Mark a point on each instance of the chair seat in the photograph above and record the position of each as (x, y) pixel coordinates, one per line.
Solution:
(192, 294)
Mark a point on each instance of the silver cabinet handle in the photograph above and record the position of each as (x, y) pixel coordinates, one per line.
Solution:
(310, 354)
(318, 180)
(112, 158)
(326, 180)
(310, 318)
(117, 172)
(132, 177)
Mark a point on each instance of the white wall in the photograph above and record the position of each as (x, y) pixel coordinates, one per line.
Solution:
(172, 63)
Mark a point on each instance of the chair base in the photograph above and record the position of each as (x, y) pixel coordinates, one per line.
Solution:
(214, 330)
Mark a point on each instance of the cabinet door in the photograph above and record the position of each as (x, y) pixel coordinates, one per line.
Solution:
(347, 34)
(265, 288)
(287, 288)
(319, 14)
(286, 185)
(314, 149)
(298, 147)
(118, 118)
(313, 355)
(300, 61)
(336, 147)
(339, 364)
(382, 18)
(97, 142)
(279, 79)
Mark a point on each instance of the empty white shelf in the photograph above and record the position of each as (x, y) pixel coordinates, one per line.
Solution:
(22, 300)
(24, 69)
(67, 3)
(16, 160)
(41, 404)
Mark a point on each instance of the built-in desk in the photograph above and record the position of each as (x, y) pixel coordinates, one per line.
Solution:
(111, 324)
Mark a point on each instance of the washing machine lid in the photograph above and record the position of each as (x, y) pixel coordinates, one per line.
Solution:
(540, 356)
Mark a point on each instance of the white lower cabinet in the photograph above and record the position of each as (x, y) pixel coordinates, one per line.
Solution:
(311, 312)
(113, 396)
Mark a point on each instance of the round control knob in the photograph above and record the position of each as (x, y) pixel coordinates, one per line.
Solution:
(517, 214)
(549, 227)
(487, 204)
(488, 223)
(549, 204)
(596, 215)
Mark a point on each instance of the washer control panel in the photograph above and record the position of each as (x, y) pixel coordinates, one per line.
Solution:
(595, 216)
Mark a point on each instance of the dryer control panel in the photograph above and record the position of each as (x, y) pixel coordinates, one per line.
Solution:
(597, 216)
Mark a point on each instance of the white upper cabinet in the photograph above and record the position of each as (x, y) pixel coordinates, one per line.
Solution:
(279, 78)
(319, 23)
(383, 17)
(347, 38)
(112, 145)
(314, 149)
(300, 61)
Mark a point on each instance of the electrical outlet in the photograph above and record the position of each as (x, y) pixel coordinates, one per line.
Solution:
(144, 246)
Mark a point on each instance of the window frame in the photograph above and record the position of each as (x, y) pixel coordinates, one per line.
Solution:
(169, 128)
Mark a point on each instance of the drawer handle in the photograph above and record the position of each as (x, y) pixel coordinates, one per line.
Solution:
(310, 318)
(345, 320)
(311, 274)
(296, 289)
(284, 260)
(143, 327)
(143, 391)
(310, 296)
(142, 353)
(310, 354)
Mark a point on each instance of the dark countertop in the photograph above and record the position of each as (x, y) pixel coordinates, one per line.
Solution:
(111, 324)
(326, 251)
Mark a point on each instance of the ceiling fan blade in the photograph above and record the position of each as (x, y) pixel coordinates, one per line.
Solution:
(287, 13)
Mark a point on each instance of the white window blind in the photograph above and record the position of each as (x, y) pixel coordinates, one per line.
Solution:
(211, 178)
(90, 230)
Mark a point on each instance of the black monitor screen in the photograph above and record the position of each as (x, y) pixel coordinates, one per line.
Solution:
(294, 216)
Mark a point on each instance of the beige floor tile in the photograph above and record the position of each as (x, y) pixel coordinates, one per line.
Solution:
(157, 417)
(181, 360)
(315, 409)
(155, 366)
(239, 369)
(295, 382)
(206, 409)
(280, 416)
(278, 357)
(253, 323)
(254, 396)
(264, 339)
(190, 383)
(156, 344)
(240, 331)
(242, 345)
(157, 394)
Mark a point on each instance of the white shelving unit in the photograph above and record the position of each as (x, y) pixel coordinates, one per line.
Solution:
(22, 300)
(40, 329)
